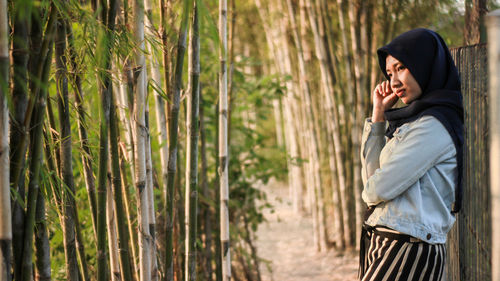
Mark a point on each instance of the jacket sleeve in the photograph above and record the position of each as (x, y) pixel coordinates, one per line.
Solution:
(372, 142)
(413, 152)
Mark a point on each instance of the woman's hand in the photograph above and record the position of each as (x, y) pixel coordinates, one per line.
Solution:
(383, 99)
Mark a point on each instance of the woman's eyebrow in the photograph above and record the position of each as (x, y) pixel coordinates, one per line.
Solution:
(394, 65)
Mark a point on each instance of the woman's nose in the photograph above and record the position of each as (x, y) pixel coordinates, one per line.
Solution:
(395, 82)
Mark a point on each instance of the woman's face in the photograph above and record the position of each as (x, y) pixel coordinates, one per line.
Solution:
(402, 82)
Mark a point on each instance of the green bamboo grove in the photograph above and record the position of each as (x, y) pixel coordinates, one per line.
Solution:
(136, 135)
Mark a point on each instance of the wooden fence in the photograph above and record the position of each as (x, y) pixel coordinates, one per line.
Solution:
(469, 242)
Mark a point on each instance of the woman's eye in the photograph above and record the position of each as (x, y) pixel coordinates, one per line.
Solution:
(401, 68)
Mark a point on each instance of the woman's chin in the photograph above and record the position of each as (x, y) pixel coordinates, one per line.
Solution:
(406, 100)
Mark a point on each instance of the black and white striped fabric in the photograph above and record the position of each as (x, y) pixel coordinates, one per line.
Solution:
(388, 259)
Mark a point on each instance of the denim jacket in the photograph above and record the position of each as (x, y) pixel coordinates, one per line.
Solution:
(411, 178)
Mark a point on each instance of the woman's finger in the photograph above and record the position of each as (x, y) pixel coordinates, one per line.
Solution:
(387, 87)
(380, 90)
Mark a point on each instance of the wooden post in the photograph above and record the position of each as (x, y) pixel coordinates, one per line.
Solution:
(493, 25)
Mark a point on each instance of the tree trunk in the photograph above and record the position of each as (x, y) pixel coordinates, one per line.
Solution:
(475, 30)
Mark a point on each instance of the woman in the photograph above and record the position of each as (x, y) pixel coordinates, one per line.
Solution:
(411, 160)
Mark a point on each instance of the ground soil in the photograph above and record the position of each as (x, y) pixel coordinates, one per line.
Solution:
(285, 242)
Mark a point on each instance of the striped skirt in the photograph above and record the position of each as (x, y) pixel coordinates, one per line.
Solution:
(392, 257)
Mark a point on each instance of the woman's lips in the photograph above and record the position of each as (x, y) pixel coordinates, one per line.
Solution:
(400, 93)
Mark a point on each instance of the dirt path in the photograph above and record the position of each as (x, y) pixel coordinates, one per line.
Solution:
(285, 242)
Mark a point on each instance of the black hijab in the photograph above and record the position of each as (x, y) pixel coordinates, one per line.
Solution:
(428, 59)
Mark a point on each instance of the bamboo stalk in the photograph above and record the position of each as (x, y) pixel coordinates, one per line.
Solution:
(164, 14)
(112, 236)
(42, 246)
(21, 17)
(51, 166)
(218, 247)
(34, 171)
(82, 130)
(332, 114)
(359, 54)
(230, 50)
(39, 46)
(20, 59)
(104, 54)
(65, 152)
(130, 218)
(126, 154)
(279, 121)
(253, 249)
(5, 210)
(294, 125)
(292, 114)
(38, 67)
(191, 196)
(42, 251)
(150, 196)
(140, 135)
(312, 134)
(294, 172)
(223, 148)
(173, 139)
(207, 214)
(80, 248)
(121, 221)
(350, 96)
(156, 80)
(161, 120)
(122, 101)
